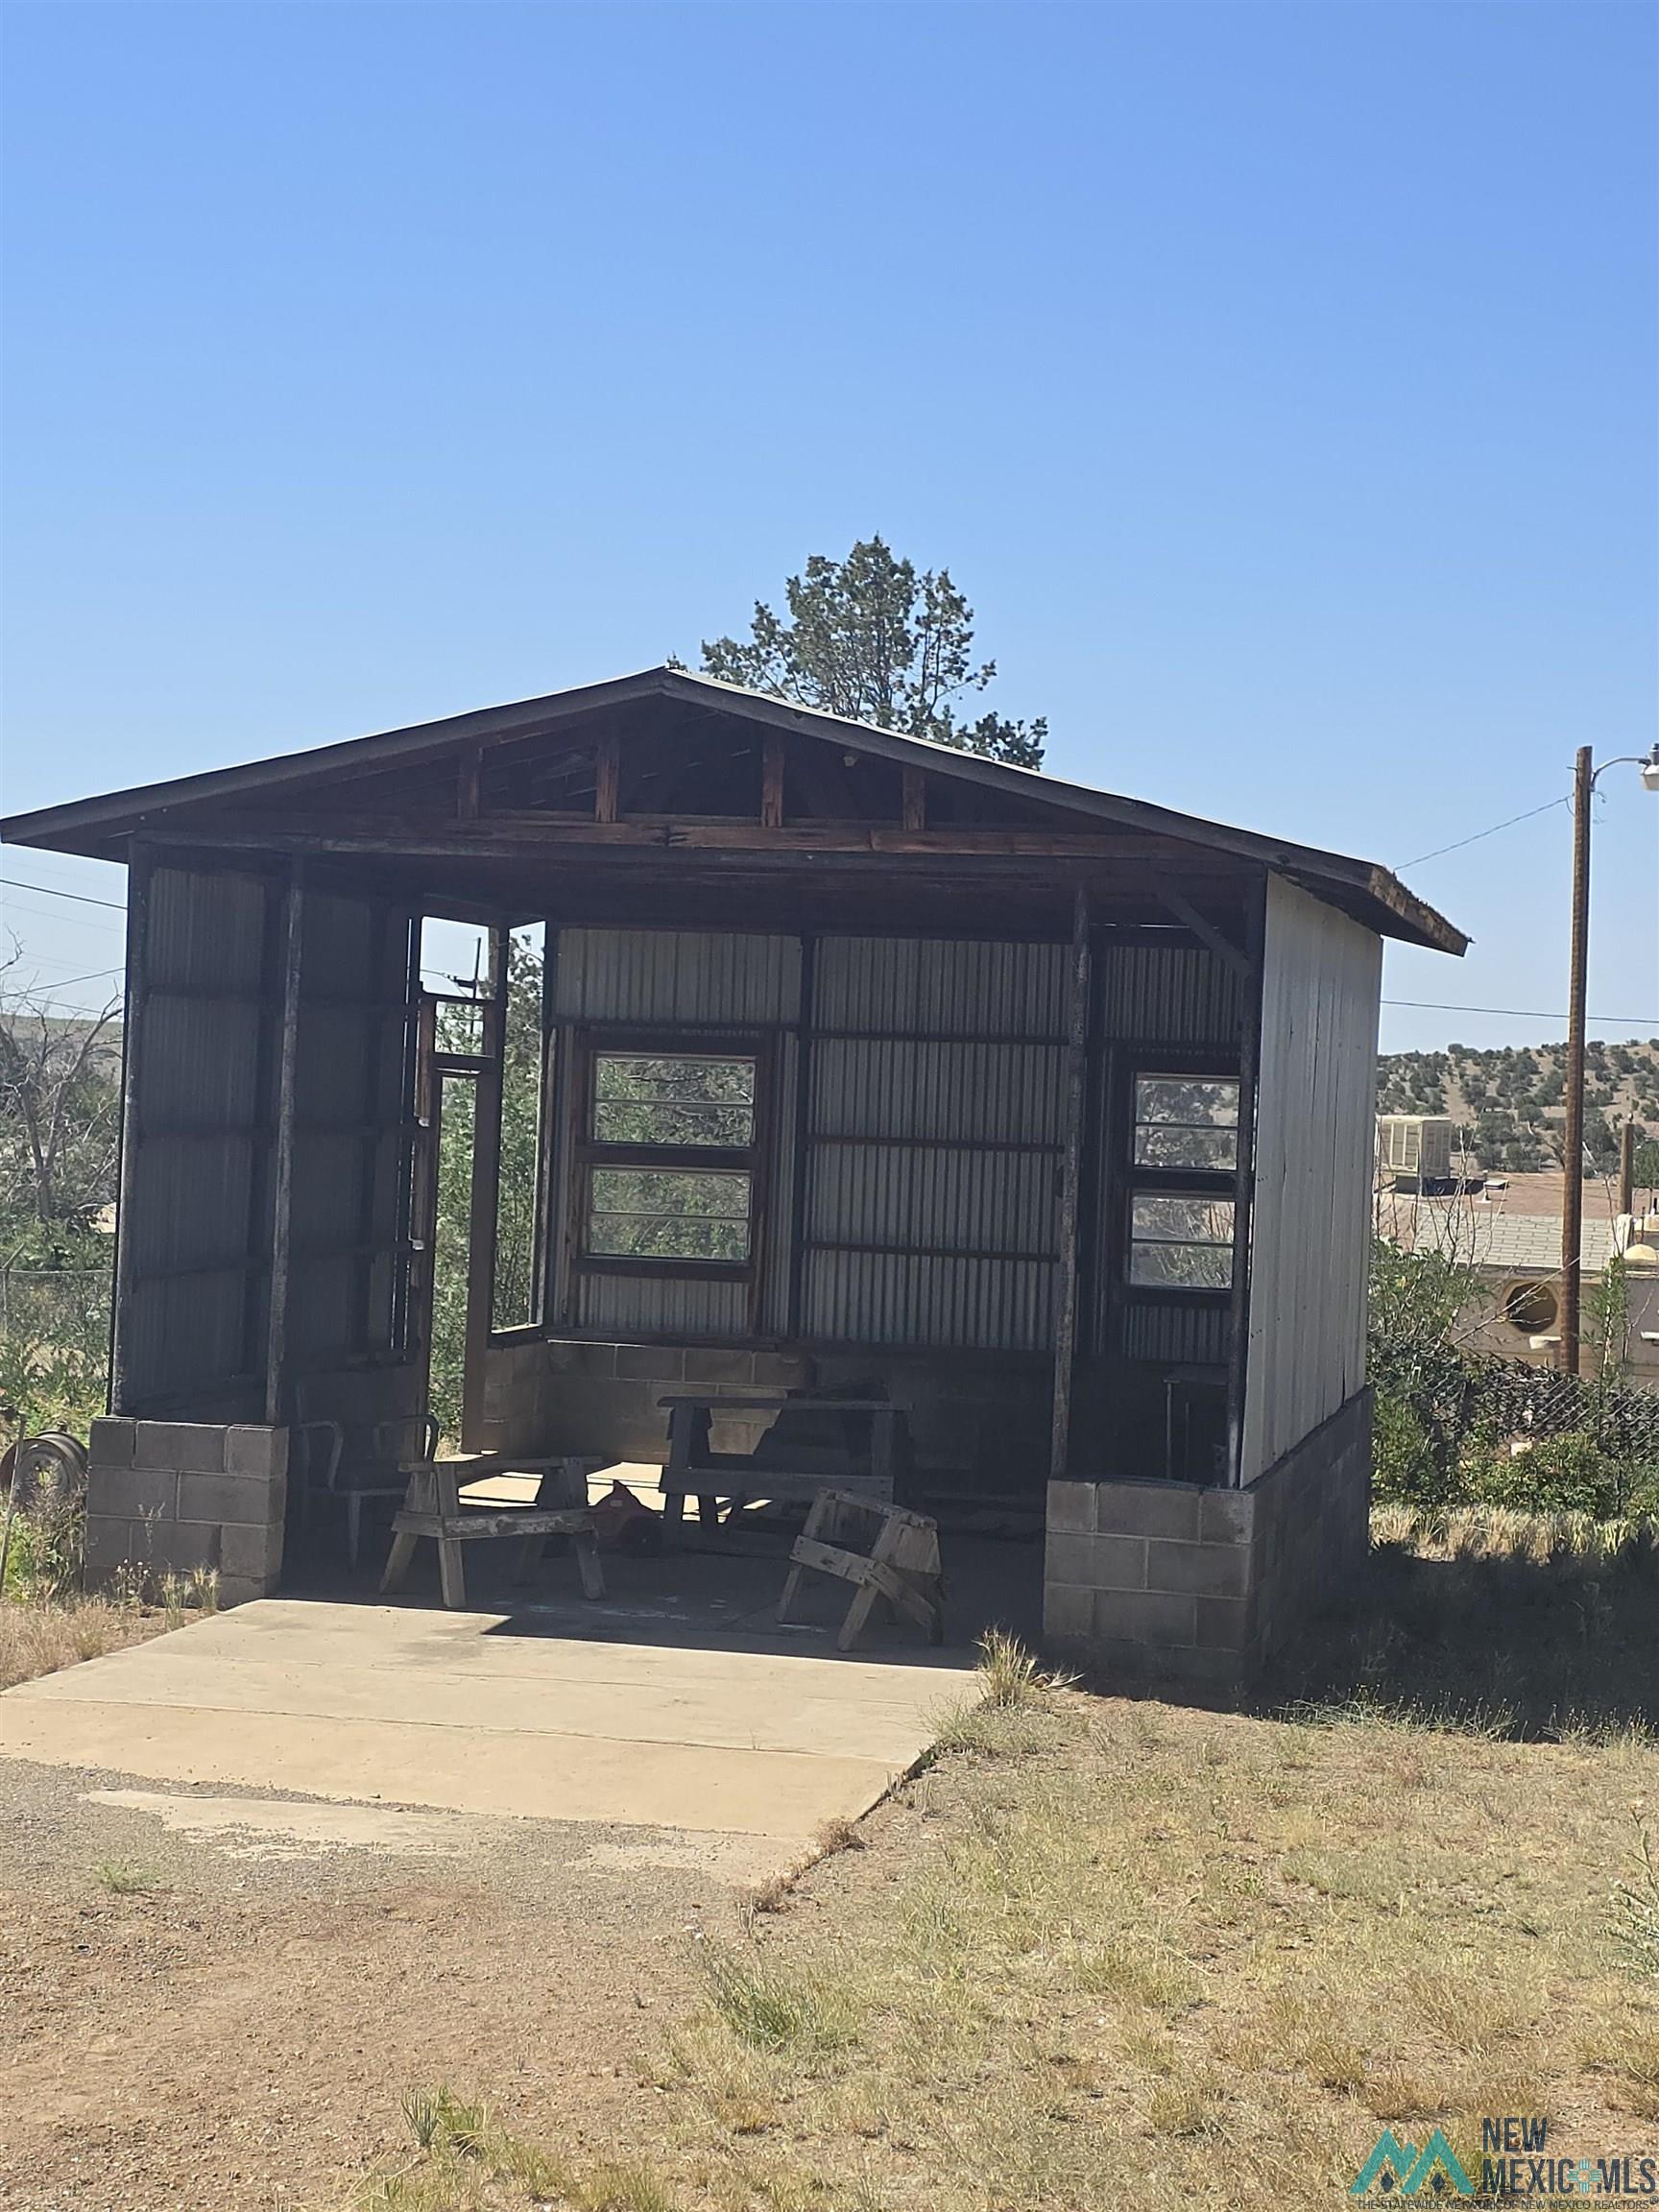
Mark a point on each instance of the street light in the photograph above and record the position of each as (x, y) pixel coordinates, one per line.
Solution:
(1584, 778)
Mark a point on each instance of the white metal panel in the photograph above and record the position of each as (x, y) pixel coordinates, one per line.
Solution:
(1315, 1136)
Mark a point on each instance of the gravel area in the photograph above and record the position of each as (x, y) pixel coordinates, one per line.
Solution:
(194, 2013)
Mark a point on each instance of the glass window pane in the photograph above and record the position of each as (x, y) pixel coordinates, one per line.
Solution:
(1181, 1243)
(1160, 1145)
(1182, 1267)
(1182, 1220)
(650, 1213)
(1186, 1122)
(1190, 1099)
(649, 1099)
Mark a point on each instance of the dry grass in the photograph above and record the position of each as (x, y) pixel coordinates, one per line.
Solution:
(1104, 1954)
(40, 1633)
(37, 1636)
(1517, 1625)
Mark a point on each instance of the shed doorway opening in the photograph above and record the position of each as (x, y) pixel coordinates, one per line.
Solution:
(480, 1182)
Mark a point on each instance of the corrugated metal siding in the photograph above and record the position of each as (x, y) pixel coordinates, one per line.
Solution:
(349, 1136)
(206, 930)
(923, 1200)
(1311, 1227)
(632, 1305)
(915, 1299)
(1182, 1335)
(195, 1236)
(665, 975)
(932, 987)
(1168, 995)
(944, 1205)
(962, 1093)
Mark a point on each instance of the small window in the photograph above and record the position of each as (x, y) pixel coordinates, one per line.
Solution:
(668, 1158)
(1180, 1243)
(1186, 1122)
(650, 1214)
(644, 1098)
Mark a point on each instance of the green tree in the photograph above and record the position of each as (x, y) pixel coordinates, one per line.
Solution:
(513, 1292)
(874, 639)
(59, 1119)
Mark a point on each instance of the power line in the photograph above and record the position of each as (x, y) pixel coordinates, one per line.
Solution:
(97, 975)
(15, 906)
(1530, 815)
(16, 883)
(1523, 1012)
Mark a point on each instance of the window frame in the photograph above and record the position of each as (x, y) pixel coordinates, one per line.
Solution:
(1201, 1184)
(587, 1152)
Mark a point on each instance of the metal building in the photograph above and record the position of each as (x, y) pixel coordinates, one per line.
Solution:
(864, 1063)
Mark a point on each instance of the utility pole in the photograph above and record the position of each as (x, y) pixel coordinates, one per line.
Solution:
(1573, 1189)
(1627, 1167)
(1572, 1194)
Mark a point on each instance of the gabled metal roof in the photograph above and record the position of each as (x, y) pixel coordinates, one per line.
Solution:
(97, 825)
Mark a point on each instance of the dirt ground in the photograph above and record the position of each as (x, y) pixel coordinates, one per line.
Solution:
(198, 2023)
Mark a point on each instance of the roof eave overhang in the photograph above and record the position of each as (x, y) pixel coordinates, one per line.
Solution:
(99, 827)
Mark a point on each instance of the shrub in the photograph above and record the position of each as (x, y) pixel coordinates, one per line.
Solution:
(1571, 1474)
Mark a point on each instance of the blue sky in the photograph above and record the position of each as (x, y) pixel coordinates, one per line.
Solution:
(1281, 382)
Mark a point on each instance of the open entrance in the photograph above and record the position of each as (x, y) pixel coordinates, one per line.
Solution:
(477, 1198)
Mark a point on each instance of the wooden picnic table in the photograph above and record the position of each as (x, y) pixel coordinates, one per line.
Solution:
(432, 1508)
(695, 1470)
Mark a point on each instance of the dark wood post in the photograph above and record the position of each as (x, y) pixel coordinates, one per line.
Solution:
(1071, 1188)
(800, 1163)
(283, 1141)
(771, 782)
(1572, 1134)
(1627, 1167)
(913, 788)
(607, 777)
(140, 866)
(485, 1178)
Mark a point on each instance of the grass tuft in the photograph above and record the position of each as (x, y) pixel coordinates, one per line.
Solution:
(123, 1880)
(769, 2010)
(1636, 1909)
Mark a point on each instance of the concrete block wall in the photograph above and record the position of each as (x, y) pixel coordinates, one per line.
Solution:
(977, 1423)
(603, 1398)
(1172, 1585)
(181, 1496)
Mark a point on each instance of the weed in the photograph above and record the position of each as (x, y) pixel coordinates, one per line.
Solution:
(839, 1834)
(770, 1894)
(768, 2009)
(122, 1879)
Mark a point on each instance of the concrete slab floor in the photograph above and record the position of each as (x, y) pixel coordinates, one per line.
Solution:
(551, 1712)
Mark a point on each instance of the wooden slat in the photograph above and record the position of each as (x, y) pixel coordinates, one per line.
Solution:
(607, 777)
(772, 784)
(915, 799)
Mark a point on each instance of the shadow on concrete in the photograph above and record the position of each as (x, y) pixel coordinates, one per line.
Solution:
(719, 1590)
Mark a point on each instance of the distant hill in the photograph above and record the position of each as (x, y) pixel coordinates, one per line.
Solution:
(1507, 1103)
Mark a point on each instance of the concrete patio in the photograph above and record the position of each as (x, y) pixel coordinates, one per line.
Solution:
(642, 1713)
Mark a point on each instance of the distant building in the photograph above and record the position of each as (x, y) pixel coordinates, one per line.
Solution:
(1514, 1310)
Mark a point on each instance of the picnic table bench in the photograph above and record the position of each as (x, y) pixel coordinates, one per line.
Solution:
(432, 1508)
(808, 1449)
